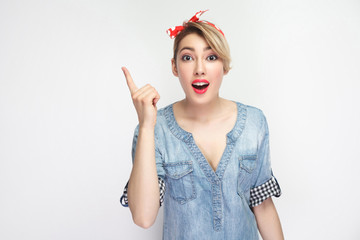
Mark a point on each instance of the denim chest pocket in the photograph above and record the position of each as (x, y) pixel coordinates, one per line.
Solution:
(247, 165)
(180, 181)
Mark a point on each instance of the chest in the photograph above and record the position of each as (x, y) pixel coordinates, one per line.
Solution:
(211, 139)
(212, 144)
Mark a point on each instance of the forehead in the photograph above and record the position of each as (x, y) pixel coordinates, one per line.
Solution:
(193, 40)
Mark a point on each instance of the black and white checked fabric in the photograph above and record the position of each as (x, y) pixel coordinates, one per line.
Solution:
(265, 190)
(162, 190)
(124, 199)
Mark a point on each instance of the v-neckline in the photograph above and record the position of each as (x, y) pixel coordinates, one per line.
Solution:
(188, 138)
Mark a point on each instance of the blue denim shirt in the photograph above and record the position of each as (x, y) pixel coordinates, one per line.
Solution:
(201, 203)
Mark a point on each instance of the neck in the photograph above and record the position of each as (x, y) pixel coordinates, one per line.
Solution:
(202, 112)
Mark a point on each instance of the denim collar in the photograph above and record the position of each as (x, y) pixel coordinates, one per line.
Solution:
(186, 137)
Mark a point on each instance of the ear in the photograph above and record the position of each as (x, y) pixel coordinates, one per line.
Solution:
(173, 67)
(226, 72)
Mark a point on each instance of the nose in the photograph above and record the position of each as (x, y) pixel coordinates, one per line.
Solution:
(199, 68)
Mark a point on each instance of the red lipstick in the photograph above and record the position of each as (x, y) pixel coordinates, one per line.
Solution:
(200, 86)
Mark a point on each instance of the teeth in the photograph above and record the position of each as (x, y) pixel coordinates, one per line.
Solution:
(200, 84)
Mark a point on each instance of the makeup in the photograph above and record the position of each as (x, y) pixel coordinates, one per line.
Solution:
(200, 86)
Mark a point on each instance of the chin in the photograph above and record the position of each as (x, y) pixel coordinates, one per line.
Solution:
(202, 99)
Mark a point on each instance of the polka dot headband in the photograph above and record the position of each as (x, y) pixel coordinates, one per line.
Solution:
(173, 32)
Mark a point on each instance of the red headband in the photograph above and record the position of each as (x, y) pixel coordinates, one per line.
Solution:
(173, 32)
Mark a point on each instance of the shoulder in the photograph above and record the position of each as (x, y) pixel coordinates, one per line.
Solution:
(163, 115)
(253, 114)
(255, 120)
(161, 112)
(256, 124)
(163, 118)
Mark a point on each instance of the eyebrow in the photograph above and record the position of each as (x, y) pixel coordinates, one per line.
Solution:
(192, 49)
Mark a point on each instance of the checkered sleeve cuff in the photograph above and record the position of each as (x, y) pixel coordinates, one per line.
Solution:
(124, 199)
(265, 190)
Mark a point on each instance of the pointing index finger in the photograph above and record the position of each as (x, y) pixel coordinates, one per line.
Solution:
(129, 80)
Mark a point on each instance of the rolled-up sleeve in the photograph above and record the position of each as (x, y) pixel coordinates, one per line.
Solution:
(124, 199)
(265, 184)
(159, 168)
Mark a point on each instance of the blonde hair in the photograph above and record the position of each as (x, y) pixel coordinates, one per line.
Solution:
(212, 36)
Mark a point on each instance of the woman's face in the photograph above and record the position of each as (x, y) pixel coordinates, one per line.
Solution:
(199, 69)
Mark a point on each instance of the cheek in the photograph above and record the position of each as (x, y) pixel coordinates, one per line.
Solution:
(183, 74)
(218, 71)
(183, 69)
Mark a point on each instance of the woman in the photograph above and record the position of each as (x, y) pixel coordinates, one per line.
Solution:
(211, 154)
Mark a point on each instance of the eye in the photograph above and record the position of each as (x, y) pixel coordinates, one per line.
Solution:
(186, 58)
(212, 57)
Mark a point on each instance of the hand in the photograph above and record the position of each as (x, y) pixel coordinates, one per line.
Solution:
(144, 100)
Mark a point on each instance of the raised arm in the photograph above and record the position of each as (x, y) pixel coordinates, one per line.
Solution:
(143, 189)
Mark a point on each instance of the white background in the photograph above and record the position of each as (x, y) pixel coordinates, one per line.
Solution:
(67, 119)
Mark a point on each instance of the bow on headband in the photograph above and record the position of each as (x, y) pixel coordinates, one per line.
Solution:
(173, 32)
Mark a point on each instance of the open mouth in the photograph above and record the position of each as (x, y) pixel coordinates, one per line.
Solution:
(200, 85)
